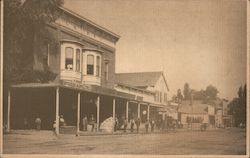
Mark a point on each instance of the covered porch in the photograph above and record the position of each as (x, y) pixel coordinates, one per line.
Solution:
(72, 101)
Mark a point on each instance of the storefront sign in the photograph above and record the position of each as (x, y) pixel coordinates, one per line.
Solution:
(74, 85)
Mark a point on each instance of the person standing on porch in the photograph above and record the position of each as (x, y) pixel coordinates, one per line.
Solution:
(61, 121)
(54, 127)
(137, 123)
(147, 125)
(92, 122)
(85, 123)
(38, 123)
(125, 124)
(132, 123)
(116, 123)
(152, 125)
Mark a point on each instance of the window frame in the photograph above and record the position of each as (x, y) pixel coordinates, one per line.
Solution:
(78, 60)
(66, 65)
(93, 65)
(98, 66)
(106, 71)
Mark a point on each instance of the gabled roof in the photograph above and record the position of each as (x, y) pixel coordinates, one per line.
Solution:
(138, 79)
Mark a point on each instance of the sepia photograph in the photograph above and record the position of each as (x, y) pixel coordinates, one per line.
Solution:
(124, 78)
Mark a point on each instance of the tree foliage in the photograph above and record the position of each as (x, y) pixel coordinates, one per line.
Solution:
(178, 97)
(200, 95)
(179, 94)
(186, 91)
(237, 107)
(23, 19)
(211, 92)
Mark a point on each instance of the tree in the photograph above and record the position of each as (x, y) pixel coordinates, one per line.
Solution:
(23, 20)
(179, 95)
(174, 98)
(186, 91)
(200, 95)
(237, 107)
(211, 92)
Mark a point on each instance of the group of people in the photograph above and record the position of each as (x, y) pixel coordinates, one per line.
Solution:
(167, 124)
(122, 124)
(37, 121)
(134, 123)
(91, 121)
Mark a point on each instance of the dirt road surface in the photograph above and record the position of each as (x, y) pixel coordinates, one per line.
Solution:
(220, 142)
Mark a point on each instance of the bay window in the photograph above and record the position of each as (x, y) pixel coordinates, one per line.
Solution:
(90, 65)
(80, 64)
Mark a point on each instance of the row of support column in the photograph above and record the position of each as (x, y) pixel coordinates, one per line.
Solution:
(98, 111)
(78, 111)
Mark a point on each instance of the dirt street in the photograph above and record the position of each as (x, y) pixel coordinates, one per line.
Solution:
(221, 141)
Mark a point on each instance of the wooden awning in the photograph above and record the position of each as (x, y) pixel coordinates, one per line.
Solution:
(79, 87)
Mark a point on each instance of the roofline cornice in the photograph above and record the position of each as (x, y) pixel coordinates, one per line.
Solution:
(88, 39)
(90, 22)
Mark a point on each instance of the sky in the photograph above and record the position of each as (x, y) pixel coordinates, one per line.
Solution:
(198, 42)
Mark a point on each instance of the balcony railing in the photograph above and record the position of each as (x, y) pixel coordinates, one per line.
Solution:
(71, 75)
(91, 79)
(74, 76)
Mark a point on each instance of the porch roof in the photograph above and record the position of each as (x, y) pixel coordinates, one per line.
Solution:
(74, 86)
(35, 85)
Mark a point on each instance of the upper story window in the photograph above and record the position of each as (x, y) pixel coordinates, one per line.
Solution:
(98, 63)
(78, 60)
(90, 64)
(106, 71)
(69, 58)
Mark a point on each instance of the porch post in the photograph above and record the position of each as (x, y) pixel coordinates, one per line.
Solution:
(148, 112)
(127, 110)
(98, 112)
(139, 108)
(8, 118)
(57, 111)
(113, 112)
(78, 113)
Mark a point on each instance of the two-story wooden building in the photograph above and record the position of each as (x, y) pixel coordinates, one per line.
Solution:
(82, 55)
(150, 88)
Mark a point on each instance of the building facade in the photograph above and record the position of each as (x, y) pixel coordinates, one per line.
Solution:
(81, 54)
(193, 114)
(150, 88)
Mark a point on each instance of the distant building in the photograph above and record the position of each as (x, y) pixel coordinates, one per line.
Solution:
(213, 112)
(196, 113)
